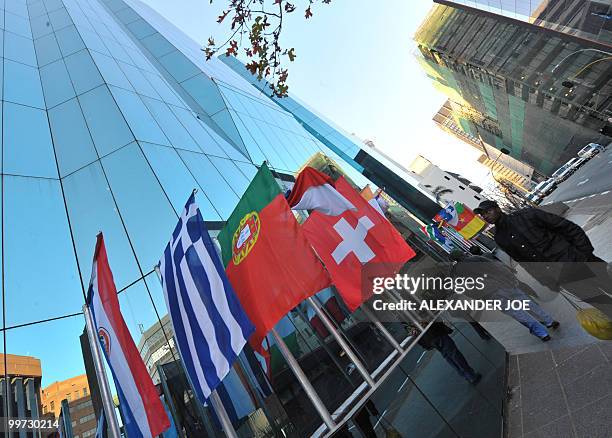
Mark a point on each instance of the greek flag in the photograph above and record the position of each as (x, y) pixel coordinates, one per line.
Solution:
(209, 323)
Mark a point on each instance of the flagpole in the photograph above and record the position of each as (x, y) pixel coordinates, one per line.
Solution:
(303, 380)
(214, 398)
(382, 328)
(341, 341)
(105, 393)
(226, 423)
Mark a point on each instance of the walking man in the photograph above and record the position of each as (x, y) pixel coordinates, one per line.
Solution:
(501, 284)
(557, 252)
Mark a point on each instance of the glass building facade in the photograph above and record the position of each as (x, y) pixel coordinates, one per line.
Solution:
(586, 19)
(541, 96)
(110, 118)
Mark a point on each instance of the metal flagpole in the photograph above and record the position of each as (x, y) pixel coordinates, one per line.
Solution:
(303, 380)
(214, 399)
(382, 328)
(226, 423)
(107, 399)
(341, 341)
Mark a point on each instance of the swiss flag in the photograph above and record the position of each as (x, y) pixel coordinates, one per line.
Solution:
(353, 240)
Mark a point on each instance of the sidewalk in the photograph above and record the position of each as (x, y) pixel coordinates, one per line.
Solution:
(562, 388)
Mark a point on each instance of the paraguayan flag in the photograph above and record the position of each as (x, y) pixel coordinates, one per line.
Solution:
(210, 326)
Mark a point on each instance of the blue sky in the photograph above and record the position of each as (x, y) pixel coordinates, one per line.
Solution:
(355, 65)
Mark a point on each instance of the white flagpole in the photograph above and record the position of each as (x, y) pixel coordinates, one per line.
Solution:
(105, 393)
(214, 398)
(303, 380)
(226, 423)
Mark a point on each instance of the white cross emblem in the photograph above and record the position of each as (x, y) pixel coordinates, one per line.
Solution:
(353, 240)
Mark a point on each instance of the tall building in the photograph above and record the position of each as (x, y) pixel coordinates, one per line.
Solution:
(585, 19)
(20, 386)
(75, 391)
(69, 389)
(111, 117)
(535, 94)
(502, 166)
(156, 346)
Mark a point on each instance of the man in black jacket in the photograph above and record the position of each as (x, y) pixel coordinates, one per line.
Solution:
(557, 252)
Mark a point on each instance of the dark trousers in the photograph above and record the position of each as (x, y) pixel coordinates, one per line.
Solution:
(447, 347)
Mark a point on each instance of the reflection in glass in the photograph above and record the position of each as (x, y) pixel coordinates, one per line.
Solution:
(40, 246)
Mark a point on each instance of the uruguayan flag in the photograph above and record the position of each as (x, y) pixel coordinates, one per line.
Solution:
(209, 323)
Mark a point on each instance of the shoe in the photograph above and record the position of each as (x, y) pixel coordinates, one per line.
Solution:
(477, 379)
(545, 338)
(554, 325)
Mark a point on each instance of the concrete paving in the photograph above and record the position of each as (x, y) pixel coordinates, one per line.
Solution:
(563, 388)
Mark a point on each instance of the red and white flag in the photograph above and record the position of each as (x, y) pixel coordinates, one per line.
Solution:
(313, 190)
(142, 411)
(355, 240)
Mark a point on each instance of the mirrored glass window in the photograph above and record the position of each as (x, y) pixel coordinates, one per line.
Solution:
(47, 49)
(28, 149)
(141, 122)
(22, 84)
(144, 207)
(116, 50)
(162, 89)
(56, 83)
(179, 66)
(93, 42)
(211, 181)
(138, 81)
(176, 179)
(19, 48)
(55, 290)
(59, 19)
(35, 9)
(69, 40)
(255, 153)
(40, 26)
(106, 123)
(17, 24)
(87, 191)
(110, 71)
(157, 45)
(232, 175)
(248, 169)
(73, 146)
(141, 29)
(198, 132)
(174, 130)
(17, 7)
(83, 72)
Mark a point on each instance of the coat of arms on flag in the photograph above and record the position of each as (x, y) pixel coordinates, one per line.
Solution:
(266, 256)
(140, 406)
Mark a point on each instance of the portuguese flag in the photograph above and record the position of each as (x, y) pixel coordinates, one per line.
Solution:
(266, 256)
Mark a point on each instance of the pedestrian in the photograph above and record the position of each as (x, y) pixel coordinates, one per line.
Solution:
(556, 251)
(501, 284)
(475, 250)
(438, 337)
